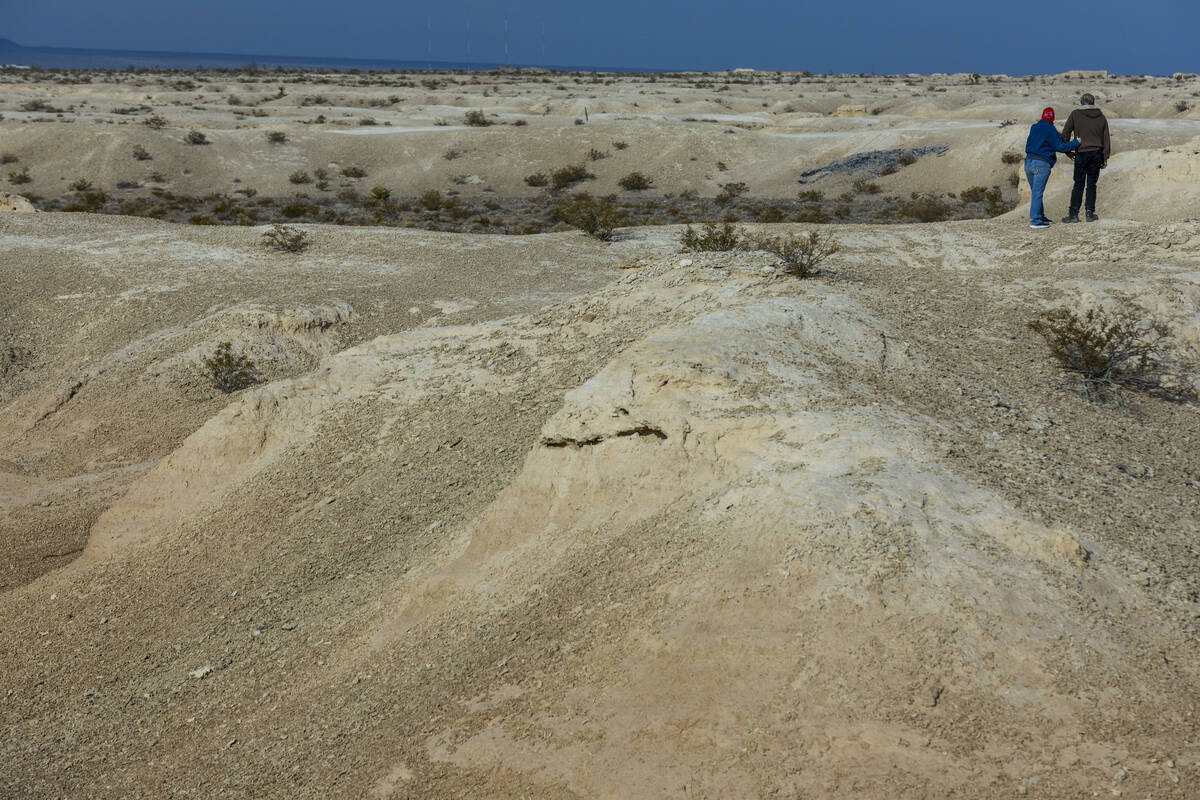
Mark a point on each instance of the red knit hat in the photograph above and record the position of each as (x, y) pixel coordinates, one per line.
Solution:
(1048, 114)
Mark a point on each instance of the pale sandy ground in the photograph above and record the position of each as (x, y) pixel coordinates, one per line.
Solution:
(546, 517)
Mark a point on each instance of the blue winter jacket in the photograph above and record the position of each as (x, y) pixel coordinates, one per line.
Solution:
(1044, 142)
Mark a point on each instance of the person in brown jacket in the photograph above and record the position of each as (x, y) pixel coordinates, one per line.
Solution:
(1091, 128)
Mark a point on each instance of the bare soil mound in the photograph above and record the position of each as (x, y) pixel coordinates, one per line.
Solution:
(689, 527)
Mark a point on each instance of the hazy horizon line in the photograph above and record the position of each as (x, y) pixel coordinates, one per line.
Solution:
(280, 60)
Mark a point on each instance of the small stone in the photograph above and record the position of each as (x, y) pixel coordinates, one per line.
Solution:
(1120, 775)
(686, 262)
(201, 671)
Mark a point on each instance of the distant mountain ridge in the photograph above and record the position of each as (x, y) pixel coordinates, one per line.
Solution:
(92, 58)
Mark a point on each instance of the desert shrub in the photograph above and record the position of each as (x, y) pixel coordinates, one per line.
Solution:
(813, 212)
(367, 121)
(810, 196)
(975, 194)
(926, 208)
(620, 145)
(8, 158)
(91, 200)
(635, 182)
(842, 210)
(598, 218)
(538, 179)
(771, 213)
(456, 210)
(865, 187)
(276, 137)
(321, 174)
(596, 155)
(379, 194)
(156, 122)
(1012, 158)
(452, 154)
(300, 176)
(800, 254)
(731, 191)
(81, 185)
(713, 238)
(1014, 180)
(141, 153)
(298, 208)
(430, 199)
(520, 123)
(890, 169)
(1113, 349)
(229, 371)
(22, 176)
(565, 177)
(353, 172)
(285, 239)
(196, 137)
(476, 118)
(1181, 106)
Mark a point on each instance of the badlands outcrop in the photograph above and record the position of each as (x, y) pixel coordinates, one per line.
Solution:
(542, 516)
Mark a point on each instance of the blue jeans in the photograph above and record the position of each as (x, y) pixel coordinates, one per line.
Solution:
(1037, 172)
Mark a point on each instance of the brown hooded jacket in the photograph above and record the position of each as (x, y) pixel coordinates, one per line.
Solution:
(1091, 128)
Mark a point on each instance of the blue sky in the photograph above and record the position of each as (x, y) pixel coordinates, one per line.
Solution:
(1130, 36)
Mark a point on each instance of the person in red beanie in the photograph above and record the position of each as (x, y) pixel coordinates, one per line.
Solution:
(1041, 147)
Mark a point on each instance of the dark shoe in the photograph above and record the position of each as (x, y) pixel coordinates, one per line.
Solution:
(1071, 218)
(1091, 217)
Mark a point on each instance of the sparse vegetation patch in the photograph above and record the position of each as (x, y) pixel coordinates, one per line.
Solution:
(1122, 347)
(229, 370)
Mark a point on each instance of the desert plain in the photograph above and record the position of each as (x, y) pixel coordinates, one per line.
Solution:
(513, 511)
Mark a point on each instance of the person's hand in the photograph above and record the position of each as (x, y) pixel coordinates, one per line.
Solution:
(1103, 164)
(1071, 156)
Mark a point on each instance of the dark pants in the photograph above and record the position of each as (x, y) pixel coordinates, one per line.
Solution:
(1087, 171)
